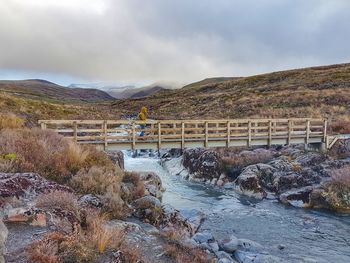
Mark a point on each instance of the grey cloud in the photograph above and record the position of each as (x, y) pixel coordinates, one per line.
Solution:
(181, 40)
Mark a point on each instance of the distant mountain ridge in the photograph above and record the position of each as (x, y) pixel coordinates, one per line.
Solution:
(46, 90)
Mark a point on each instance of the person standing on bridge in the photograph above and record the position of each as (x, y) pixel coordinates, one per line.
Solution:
(142, 116)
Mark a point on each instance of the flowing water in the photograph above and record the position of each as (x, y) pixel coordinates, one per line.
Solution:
(308, 235)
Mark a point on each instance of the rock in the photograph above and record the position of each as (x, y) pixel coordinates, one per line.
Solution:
(222, 177)
(3, 238)
(117, 158)
(281, 246)
(248, 182)
(214, 246)
(205, 163)
(224, 257)
(331, 198)
(90, 200)
(310, 159)
(16, 215)
(213, 182)
(153, 184)
(230, 245)
(297, 197)
(204, 237)
(282, 164)
(146, 202)
(39, 220)
(28, 185)
(220, 182)
(250, 257)
(249, 245)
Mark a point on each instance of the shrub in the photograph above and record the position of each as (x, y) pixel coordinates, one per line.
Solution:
(135, 185)
(183, 254)
(81, 246)
(10, 121)
(337, 191)
(49, 154)
(97, 180)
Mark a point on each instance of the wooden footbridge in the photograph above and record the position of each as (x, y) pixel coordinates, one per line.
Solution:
(159, 134)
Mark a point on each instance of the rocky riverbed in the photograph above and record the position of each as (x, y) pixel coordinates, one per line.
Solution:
(257, 222)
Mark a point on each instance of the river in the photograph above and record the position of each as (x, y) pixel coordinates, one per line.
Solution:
(307, 235)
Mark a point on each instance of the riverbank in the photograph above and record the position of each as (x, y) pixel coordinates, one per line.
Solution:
(283, 231)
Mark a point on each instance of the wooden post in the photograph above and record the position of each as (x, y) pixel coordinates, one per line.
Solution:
(270, 134)
(206, 135)
(182, 135)
(307, 132)
(325, 131)
(290, 124)
(105, 134)
(249, 133)
(43, 126)
(75, 131)
(133, 145)
(159, 136)
(228, 134)
(174, 127)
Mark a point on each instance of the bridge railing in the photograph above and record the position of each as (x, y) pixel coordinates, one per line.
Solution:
(185, 132)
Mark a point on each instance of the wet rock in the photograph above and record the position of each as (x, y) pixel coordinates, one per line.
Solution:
(230, 245)
(297, 197)
(220, 182)
(204, 237)
(90, 200)
(27, 185)
(3, 238)
(117, 158)
(204, 163)
(214, 246)
(185, 221)
(224, 257)
(249, 181)
(249, 245)
(250, 257)
(153, 184)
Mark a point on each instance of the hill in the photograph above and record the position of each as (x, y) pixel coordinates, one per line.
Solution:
(48, 91)
(316, 91)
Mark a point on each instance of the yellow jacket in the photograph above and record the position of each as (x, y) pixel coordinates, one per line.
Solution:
(143, 114)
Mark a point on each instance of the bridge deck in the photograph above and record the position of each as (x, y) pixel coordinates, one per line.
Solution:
(126, 134)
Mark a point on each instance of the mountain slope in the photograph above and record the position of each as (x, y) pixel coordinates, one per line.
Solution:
(45, 90)
(309, 92)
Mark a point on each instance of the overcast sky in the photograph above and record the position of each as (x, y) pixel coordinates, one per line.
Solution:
(140, 41)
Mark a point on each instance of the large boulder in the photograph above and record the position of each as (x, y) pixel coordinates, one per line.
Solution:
(297, 197)
(204, 163)
(250, 181)
(27, 185)
(153, 184)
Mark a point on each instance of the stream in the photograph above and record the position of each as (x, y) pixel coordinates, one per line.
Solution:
(307, 235)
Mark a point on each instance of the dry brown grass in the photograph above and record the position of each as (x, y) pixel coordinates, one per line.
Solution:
(47, 153)
(182, 254)
(137, 189)
(104, 182)
(83, 245)
(10, 121)
(340, 127)
(97, 180)
(337, 191)
(175, 248)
